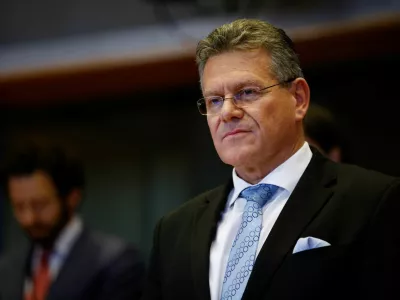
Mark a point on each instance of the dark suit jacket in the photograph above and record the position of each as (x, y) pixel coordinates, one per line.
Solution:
(98, 267)
(355, 210)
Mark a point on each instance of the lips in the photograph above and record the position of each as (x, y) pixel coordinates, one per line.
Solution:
(234, 132)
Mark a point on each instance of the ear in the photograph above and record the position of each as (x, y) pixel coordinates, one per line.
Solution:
(73, 200)
(301, 92)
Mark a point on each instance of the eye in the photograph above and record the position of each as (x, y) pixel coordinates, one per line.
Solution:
(214, 101)
(19, 207)
(248, 94)
(249, 91)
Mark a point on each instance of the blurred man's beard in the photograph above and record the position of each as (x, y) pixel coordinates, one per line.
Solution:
(48, 240)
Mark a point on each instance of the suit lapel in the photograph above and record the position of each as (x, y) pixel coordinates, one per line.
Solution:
(64, 283)
(310, 195)
(205, 227)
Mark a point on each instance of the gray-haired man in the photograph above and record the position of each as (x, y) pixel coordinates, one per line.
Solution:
(289, 224)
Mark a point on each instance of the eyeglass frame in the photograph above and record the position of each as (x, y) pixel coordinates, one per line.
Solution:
(234, 97)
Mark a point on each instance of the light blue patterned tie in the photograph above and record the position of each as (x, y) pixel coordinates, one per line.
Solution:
(243, 251)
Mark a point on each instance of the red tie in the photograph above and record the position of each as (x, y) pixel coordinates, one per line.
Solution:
(41, 280)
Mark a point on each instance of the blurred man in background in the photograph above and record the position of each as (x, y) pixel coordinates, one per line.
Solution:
(322, 132)
(65, 259)
(289, 223)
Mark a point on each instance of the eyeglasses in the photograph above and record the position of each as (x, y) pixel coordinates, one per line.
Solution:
(212, 105)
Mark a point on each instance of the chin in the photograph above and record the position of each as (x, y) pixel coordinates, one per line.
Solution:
(41, 240)
(35, 235)
(236, 157)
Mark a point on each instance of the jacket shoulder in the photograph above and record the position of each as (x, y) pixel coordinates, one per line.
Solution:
(106, 247)
(194, 204)
(364, 177)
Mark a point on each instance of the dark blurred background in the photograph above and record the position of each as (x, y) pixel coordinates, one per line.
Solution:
(116, 83)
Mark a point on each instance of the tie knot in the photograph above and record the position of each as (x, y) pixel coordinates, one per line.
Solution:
(259, 193)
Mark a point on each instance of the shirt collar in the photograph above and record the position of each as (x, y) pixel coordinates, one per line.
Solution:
(68, 236)
(286, 175)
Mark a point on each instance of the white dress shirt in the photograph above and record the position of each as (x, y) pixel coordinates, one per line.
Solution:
(286, 176)
(62, 247)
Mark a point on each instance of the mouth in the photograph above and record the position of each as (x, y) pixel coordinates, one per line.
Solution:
(235, 132)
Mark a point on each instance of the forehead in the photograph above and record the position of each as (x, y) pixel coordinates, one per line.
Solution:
(234, 68)
(37, 184)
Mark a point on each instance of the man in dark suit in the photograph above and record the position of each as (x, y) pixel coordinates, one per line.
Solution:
(289, 224)
(65, 260)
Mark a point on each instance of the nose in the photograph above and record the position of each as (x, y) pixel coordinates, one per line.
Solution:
(230, 111)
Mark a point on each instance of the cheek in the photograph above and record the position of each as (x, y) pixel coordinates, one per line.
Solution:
(22, 218)
(213, 127)
(273, 121)
(53, 214)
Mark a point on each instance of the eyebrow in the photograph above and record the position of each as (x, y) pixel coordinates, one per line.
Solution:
(235, 87)
(245, 83)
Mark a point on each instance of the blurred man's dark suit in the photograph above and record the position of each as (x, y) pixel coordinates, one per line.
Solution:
(355, 210)
(98, 267)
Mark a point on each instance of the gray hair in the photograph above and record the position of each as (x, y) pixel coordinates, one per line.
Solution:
(250, 34)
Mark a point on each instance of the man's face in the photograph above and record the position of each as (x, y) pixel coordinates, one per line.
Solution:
(248, 136)
(37, 206)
